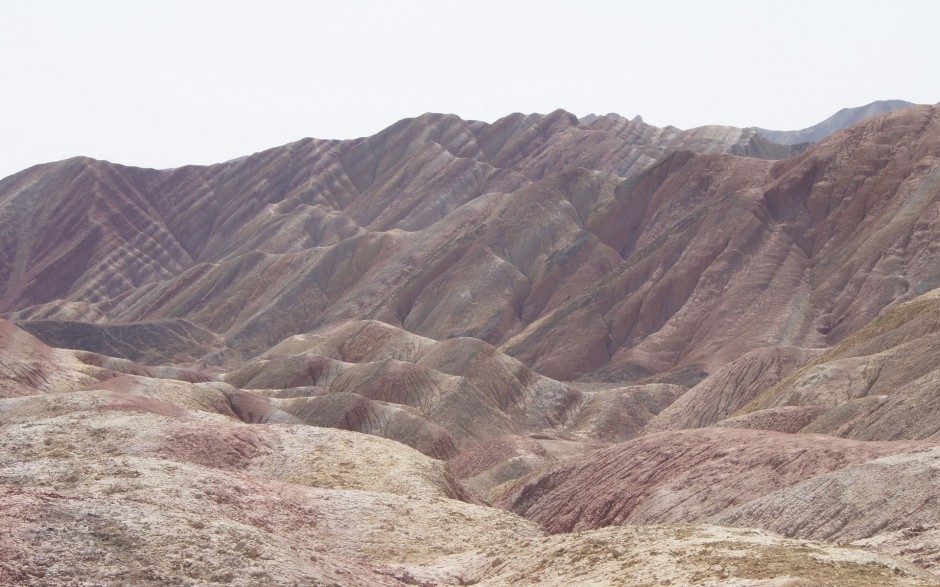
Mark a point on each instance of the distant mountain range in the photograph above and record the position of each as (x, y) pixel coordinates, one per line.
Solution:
(842, 119)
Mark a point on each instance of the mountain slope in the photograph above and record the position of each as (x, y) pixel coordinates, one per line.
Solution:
(595, 249)
(842, 119)
(880, 383)
(593, 323)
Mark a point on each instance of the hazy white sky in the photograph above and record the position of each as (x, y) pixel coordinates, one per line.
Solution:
(164, 83)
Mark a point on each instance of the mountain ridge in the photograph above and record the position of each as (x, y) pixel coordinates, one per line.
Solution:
(338, 207)
(842, 119)
(537, 352)
(845, 117)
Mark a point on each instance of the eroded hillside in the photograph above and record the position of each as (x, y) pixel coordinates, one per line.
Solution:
(541, 351)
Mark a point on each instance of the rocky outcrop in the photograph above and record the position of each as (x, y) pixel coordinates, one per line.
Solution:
(918, 544)
(490, 464)
(789, 419)
(349, 411)
(29, 367)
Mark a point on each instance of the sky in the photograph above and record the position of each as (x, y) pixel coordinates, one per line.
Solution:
(163, 83)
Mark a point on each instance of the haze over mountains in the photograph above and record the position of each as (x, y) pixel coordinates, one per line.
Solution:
(565, 341)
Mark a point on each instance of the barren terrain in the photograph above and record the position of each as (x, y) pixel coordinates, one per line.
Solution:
(542, 351)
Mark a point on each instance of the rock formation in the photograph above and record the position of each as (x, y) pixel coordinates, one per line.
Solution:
(613, 249)
(135, 480)
(541, 351)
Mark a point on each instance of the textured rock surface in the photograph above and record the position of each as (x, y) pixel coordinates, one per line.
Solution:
(880, 383)
(730, 388)
(694, 555)
(28, 366)
(784, 419)
(611, 249)
(438, 397)
(682, 476)
(136, 480)
(615, 415)
(806, 264)
(490, 464)
(348, 411)
(136, 243)
(918, 544)
(891, 494)
(513, 297)
(150, 343)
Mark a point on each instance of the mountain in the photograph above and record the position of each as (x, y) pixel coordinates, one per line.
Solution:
(376, 226)
(842, 119)
(587, 243)
(540, 351)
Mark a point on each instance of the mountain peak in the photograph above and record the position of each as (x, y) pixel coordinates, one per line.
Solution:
(838, 121)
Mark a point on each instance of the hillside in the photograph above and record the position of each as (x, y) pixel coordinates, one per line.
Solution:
(542, 351)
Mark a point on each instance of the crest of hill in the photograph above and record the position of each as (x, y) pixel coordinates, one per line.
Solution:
(842, 119)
